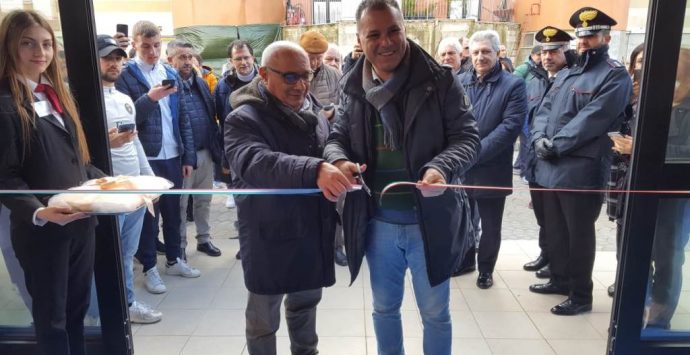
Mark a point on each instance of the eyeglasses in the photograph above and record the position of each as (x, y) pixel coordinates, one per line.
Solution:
(292, 77)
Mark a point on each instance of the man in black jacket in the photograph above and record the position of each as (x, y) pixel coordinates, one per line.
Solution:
(405, 118)
(199, 108)
(274, 139)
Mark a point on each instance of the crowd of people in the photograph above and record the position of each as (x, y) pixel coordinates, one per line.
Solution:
(309, 117)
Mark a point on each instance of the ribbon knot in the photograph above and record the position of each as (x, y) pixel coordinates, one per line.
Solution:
(51, 94)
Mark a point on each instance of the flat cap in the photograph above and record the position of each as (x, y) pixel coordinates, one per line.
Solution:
(313, 42)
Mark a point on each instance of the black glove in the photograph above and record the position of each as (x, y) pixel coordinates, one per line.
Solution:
(544, 149)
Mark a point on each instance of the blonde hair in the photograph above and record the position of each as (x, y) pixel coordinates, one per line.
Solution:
(11, 29)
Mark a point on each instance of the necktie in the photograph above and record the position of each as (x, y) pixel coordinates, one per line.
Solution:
(51, 94)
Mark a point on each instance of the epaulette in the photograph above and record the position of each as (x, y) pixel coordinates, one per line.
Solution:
(614, 63)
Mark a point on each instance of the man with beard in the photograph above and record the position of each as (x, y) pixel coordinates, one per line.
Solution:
(554, 44)
(128, 159)
(574, 152)
(198, 106)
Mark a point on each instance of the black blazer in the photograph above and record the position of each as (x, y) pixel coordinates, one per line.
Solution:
(52, 162)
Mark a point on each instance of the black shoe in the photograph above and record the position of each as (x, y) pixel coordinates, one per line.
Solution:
(571, 308)
(549, 289)
(485, 280)
(536, 264)
(544, 273)
(160, 247)
(340, 257)
(611, 290)
(238, 256)
(208, 248)
(464, 270)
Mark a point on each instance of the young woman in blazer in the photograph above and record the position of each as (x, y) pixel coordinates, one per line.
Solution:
(43, 146)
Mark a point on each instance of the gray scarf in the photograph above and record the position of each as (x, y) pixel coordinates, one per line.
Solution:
(380, 96)
(305, 119)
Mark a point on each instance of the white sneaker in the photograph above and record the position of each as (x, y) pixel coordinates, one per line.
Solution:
(230, 202)
(180, 268)
(219, 185)
(141, 313)
(153, 281)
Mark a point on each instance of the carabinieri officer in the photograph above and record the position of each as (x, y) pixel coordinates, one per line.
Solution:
(574, 151)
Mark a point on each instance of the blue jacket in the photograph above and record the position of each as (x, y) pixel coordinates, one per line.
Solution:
(499, 104)
(211, 139)
(583, 104)
(148, 116)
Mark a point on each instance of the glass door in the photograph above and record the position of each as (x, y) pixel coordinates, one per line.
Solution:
(651, 312)
(107, 324)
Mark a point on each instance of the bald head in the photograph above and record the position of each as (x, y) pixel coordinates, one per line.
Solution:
(286, 73)
(278, 49)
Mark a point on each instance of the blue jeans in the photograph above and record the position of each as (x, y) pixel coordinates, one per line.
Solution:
(390, 250)
(130, 230)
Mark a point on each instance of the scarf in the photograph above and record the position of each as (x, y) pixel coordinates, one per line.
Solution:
(381, 97)
(305, 119)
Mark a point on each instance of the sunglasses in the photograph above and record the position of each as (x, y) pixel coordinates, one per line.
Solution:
(292, 77)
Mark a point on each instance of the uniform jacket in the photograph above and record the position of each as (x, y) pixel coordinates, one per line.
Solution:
(213, 138)
(439, 132)
(132, 82)
(583, 104)
(286, 241)
(52, 162)
(324, 86)
(499, 105)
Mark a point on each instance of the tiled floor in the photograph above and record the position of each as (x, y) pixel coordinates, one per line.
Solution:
(206, 315)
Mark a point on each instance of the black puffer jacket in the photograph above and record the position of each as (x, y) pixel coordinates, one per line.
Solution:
(286, 241)
(439, 132)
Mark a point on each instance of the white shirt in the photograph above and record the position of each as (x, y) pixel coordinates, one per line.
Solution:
(42, 97)
(129, 159)
(154, 75)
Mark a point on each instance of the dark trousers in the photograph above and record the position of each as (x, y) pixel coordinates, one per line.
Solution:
(169, 207)
(668, 255)
(522, 152)
(57, 270)
(491, 216)
(569, 220)
(538, 208)
(263, 320)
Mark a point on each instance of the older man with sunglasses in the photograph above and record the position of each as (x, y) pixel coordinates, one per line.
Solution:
(274, 139)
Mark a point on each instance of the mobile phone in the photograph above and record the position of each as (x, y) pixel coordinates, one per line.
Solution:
(126, 127)
(122, 28)
(169, 83)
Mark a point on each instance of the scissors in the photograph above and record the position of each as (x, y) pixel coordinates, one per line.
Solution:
(360, 177)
